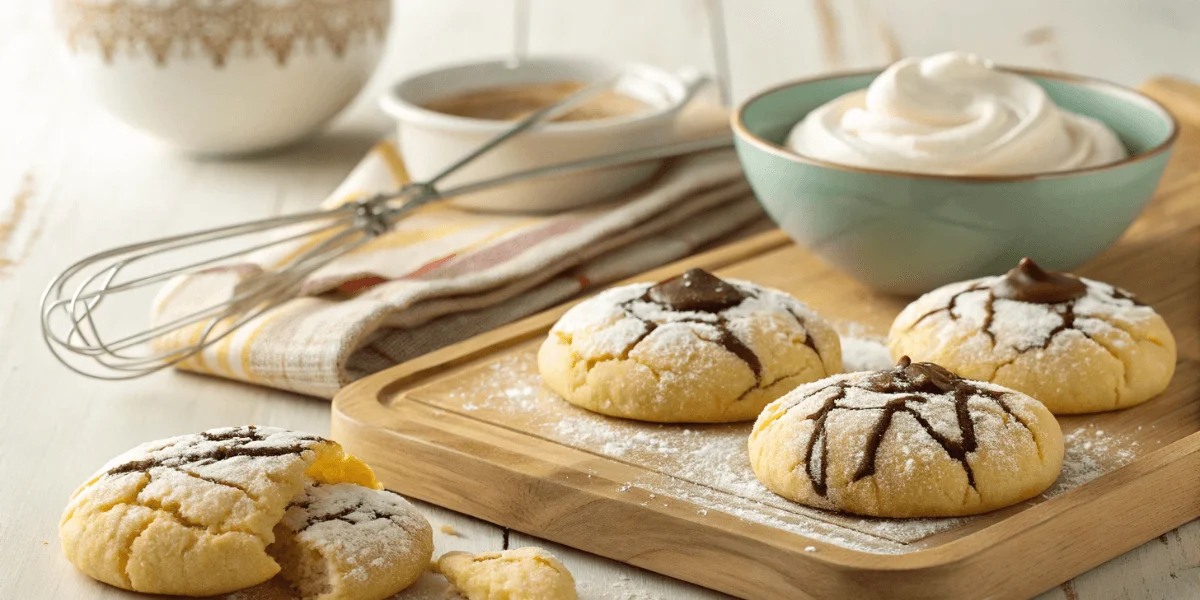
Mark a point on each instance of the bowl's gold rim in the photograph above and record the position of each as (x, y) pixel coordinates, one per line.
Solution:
(740, 129)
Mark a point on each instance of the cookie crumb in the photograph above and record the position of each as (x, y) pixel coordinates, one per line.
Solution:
(518, 574)
(450, 530)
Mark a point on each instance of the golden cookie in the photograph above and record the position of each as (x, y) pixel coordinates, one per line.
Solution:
(912, 441)
(521, 574)
(694, 348)
(348, 542)
(1074, 344)
(194, 514)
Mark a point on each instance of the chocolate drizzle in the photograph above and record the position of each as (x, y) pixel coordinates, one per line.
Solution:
(808, 338)
(906, 378)
(698, 291)
(358, 510)
(1030, 283)
(341, 515)
(250, 432)
(953, 303)
(239, 438)
(739, 349)
(1067, 313)
(821, 416)
(1120, 294)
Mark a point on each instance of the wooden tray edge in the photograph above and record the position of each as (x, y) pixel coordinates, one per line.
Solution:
(1002, 547)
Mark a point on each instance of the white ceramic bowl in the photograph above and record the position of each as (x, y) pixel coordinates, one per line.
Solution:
(227, 77)
(431, 140)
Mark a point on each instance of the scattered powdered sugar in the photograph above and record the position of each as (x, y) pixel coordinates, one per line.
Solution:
(865, 354)
(497, 392)
(621, 588)
(1090, 453)
(862, 348)
(623, 445)
(363, 527)
(708, 465)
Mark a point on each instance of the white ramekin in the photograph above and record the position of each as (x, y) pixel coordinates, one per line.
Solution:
(430, 140)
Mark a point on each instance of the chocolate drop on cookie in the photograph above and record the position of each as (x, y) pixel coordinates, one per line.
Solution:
(696, 290)
(915, 377)
(1030, 283)
(923, 375)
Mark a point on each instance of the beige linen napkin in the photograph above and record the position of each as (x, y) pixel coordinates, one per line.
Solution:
(444, 274)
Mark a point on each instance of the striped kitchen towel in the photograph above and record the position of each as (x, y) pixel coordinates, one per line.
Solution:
(444, 274)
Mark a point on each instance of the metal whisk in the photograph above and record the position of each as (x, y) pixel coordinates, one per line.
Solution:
(72, 327)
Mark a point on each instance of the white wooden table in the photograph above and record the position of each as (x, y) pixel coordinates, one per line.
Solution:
(72, 181)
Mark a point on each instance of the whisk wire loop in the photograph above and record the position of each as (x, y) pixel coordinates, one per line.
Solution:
(272, 262)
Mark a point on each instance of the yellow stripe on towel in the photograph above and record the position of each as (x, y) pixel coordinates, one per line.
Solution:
(395, 164)
(249, 343)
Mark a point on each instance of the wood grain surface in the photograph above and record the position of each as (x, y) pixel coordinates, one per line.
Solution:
(74, 181)
(420, 425)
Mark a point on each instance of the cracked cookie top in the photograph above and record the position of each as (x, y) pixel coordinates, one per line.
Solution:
(233, 451)
(1022, 311)
(1075, 344)
(937, 402)
(346, 541)
(914, 440)
(691, 348)
(218, 491)
(696, 303)
(345, 515)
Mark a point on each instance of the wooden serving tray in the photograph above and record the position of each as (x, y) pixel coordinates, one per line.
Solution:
(471, 428)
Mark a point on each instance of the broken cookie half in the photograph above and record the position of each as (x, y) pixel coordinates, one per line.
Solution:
(222, 510)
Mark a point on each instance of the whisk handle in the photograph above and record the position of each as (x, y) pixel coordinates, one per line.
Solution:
(604, 161)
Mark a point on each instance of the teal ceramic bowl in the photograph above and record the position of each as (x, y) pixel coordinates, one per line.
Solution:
(909, 233)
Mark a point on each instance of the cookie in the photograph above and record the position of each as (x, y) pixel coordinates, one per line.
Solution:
(694, 348)
(520, 574)
(194, 514)
(912, 441)
(348, 542)
(1076, 345)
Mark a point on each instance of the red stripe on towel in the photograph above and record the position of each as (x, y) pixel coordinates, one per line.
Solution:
(501, 252)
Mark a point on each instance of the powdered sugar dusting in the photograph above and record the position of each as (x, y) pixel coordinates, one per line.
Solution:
(968, 313)
(862, 351)
(263, 446)
(920, 427)
(708, 465)
(368, 529)
(616, 319)
(1090, 453)
(620, 588)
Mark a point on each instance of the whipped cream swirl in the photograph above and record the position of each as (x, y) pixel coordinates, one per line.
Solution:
(954, 114)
